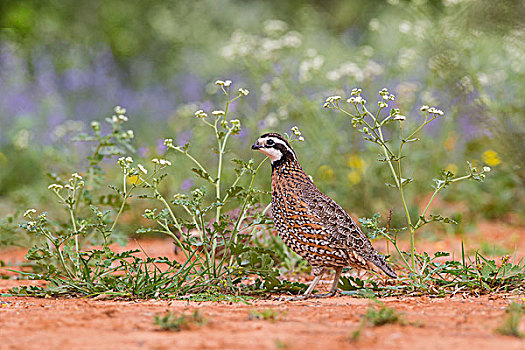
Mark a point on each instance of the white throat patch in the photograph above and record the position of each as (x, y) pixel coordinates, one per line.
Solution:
(272, 153)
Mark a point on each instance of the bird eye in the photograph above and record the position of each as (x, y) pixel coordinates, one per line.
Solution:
(270, 142)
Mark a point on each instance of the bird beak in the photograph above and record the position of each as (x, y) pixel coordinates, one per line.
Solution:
(256, 145)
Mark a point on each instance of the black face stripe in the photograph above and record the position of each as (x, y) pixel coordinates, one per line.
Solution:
(276, 147)
(281, 148)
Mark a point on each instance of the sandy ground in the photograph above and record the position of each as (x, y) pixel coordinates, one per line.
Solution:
(457, 323)
(428, 323)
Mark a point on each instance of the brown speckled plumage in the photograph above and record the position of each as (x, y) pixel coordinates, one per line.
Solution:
(312, 224)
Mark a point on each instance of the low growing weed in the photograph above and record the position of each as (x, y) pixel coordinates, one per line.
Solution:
(375, 316)
(267, 315)
(511, 322)
(178, 322)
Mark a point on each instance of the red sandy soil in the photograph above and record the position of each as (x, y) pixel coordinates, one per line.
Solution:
(428, 323)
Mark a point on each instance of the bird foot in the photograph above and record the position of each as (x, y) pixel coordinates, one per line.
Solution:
(304, 297)
(295, 298)
(336, 292)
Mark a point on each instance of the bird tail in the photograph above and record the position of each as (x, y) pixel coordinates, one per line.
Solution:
(379, 261)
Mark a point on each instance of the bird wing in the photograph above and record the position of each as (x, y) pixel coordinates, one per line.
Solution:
(341, 229)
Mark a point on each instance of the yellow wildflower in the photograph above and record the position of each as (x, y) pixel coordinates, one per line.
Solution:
(134, 180)
(490, 157)
(453, 168)
(326, 172)
(353, 177)
(355, 162)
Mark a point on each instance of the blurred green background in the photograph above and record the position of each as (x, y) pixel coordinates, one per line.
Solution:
(66, 63)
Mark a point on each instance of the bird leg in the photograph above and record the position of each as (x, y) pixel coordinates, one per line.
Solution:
(333, 290)
(310, 289)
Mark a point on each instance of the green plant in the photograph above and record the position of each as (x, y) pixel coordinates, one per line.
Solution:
(218, 255)
(267, 315)
(10, 232)
(177, 322)
(512, 321)
(371, 126)
(281, 345)
(375, 317)
(477, 275)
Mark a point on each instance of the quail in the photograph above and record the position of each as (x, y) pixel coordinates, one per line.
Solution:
(312, 224)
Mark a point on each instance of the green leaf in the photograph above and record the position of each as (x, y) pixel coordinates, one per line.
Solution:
(234, 191)
(203, 174)
(406, 181)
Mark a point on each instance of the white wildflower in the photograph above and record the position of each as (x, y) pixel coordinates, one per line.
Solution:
(359, 99)
(374, 24)
(244, 92)
(292, 39)
(76, 176)
(95, 125)
(200, 114)
(141, 168)
(119, 110)
(218, 113)
(55, 187)
(485, 169)
(332, 99)
(405, 27)
(296, 131)
(275, 25)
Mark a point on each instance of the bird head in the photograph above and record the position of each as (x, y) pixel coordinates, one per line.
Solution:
(275, 147)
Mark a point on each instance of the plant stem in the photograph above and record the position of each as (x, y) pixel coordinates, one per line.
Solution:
(126, 195)
(436, 191)
(221, 148)
(57, 247)
(243, 208)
